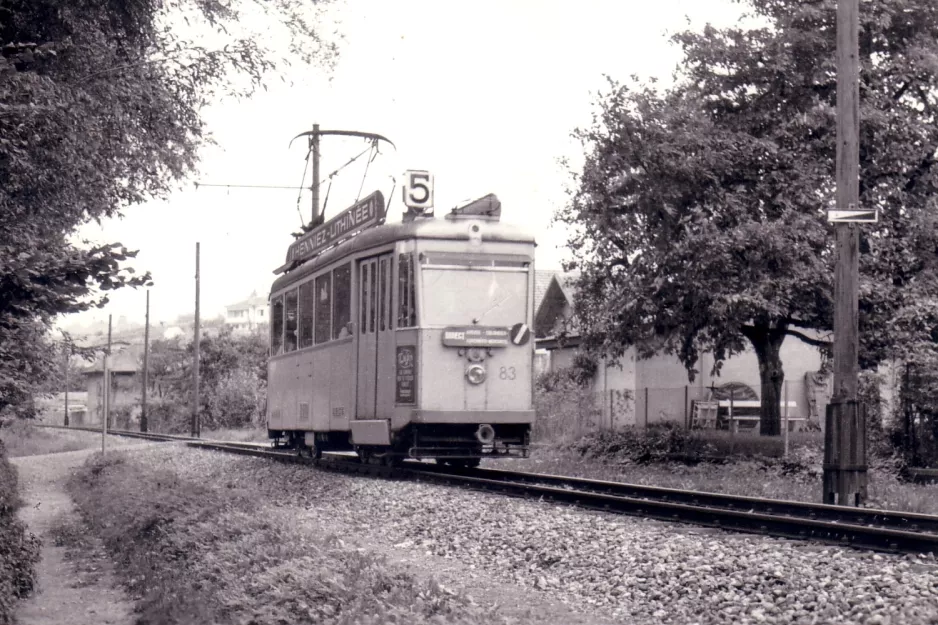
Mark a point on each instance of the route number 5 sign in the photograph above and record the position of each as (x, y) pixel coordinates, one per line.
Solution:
(418, 190)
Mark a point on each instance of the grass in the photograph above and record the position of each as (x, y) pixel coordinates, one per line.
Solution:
(750, 465)
(22, 438)
(244, 435)
(212, 553)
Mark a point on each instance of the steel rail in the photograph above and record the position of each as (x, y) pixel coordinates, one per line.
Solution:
(909, 521)
(739, 519)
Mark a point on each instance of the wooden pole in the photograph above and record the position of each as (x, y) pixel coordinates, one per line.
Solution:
(107, 389)
(144, 426)
(845, 441)
(67, 353)
(195, 362)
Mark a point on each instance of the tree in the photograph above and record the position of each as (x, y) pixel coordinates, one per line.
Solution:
(699, 216)
(232, 378)
(100, 109)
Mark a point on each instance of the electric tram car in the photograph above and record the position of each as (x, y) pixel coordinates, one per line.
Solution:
(409, 340)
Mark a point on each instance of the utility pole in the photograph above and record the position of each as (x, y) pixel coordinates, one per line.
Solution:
(314, 148)
(845, 476)
(196, 426)
(146, 366)
(107, 389)
(67, 355)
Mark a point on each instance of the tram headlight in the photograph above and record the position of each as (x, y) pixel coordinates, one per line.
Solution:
(475, 374)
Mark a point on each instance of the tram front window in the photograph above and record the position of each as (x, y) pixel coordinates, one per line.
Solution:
(465, 296)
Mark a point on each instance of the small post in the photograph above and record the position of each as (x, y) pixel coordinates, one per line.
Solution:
(107, 390)
(67, 353)
(146, 363)
(646, 407)
(195, 362)
(686, 409)
(732, 421)
(785, 422)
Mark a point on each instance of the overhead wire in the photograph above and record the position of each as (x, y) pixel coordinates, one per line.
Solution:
(299, 196)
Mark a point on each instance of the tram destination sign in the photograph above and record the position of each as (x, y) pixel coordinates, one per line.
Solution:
(363, 214)
(475, 336)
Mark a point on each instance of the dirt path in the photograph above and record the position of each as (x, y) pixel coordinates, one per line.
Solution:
(67, 593)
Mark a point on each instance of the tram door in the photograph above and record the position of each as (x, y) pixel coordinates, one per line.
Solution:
(375, 337)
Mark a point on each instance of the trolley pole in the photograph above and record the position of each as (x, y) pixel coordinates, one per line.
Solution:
(107, 390)
(146, 366)
(314, 148)
(195, 362)
(845, 477)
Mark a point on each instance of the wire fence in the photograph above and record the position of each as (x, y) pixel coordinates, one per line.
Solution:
(570, 413)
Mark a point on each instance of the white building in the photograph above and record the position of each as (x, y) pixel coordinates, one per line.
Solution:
(247, 314)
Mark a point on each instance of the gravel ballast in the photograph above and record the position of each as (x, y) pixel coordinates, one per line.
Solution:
(613, 567)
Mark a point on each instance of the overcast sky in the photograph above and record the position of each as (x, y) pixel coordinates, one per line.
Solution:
(482, 94)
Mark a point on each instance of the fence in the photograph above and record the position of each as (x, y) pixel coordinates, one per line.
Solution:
(567, 413)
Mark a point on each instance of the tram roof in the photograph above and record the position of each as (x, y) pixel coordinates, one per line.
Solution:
(434, 229)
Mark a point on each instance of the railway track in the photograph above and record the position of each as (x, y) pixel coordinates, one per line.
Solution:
(864, 528)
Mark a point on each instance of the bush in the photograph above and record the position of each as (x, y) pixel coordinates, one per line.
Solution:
(169, 416)
(19, 550)
(639, 445)
(196, 552)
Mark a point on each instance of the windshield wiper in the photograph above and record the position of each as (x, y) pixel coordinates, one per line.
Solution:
(476, 320)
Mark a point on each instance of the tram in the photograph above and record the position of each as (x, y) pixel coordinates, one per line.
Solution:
(406, 340)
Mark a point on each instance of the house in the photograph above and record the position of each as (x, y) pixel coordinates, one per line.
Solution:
(247, 314)
(635, 391)
(125, 388)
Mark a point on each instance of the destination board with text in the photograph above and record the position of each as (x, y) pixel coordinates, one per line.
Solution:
(363, 214)
(475, 336)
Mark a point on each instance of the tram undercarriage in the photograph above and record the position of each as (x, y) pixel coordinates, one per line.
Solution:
(464, 444)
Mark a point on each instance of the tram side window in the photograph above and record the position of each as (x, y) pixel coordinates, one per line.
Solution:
(382, 295)
(276, 326)
(307, 297)
(363, 299)
(342, 301)
(323, 308)
(290, 321)
(407, 307)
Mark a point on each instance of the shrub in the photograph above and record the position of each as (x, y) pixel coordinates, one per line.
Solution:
(19, 550)
(639, 445)
(196, 552)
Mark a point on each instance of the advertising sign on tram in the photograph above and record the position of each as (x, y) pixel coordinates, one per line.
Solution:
(363, 214)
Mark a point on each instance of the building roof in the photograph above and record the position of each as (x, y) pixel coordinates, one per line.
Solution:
(124, 361)
(542, 278)
(557, 297)
(253, 301)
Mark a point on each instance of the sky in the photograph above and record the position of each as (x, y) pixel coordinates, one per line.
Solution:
(484, 95)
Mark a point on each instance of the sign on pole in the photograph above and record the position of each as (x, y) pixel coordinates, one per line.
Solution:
(852, 215)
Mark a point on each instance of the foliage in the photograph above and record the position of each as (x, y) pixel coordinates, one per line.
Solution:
(699, 214)
(232, 381)
(202, 552)
(19, 550)
(26, 359)
(100, 109)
